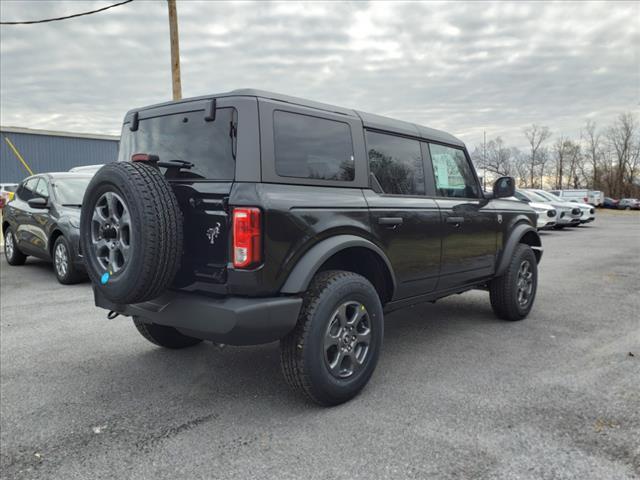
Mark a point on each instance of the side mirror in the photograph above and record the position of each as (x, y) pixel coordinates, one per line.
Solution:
(38, 202)
(504, 187)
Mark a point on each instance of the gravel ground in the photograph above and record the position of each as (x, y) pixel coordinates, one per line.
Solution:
(457, 393)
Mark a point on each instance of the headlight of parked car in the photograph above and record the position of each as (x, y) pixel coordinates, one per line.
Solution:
(75, 222)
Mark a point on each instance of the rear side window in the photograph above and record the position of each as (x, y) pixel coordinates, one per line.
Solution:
(209, 146)
(312, 147)
(397, 163)
(454, 177)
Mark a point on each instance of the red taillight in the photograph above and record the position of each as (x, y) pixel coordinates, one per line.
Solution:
(143, 157)
(586, 199)
(247, 236)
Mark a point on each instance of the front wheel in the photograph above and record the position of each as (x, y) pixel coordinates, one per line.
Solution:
(513, 293)
(334, 348)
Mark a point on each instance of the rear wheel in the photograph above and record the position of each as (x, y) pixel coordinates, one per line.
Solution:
(66, 271)
(333, 350)
(11, 252)
(164, 336)
(513, 293)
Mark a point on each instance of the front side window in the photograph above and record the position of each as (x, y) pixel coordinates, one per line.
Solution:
(186, 137)
(42, 189)
(312, 147)
(397, 163)
(453, 174)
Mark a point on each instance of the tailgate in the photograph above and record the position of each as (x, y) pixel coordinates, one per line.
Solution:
(206, 233)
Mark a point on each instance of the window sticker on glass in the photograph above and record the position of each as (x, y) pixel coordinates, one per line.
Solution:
(441, 170)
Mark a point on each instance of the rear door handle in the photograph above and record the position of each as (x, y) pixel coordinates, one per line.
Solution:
(391, 222)
(456, 221)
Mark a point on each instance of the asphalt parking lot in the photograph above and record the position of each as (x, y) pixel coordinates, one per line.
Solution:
(457, 393)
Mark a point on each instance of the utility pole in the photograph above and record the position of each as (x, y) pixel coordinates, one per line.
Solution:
(484, 161)
(175, 50)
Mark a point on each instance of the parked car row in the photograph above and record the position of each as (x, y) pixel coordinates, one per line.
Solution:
(596, 198)
(556, 212)
(591, 197)
(622, 204)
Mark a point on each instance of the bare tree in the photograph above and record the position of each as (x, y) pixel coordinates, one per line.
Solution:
(624, 143)
(593, 151)
(521, 167)
(536, 135)
(560, 155)
(575, 163)
(497, 158)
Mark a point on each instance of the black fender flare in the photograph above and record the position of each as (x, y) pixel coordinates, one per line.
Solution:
(300, 277)
(515, 237)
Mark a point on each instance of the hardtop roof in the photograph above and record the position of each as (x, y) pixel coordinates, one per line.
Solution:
(369, 120)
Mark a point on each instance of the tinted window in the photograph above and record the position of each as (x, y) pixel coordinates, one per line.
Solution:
(42, 188)
(311, 147)
(186, 136)
(453, 174)
(397, 163)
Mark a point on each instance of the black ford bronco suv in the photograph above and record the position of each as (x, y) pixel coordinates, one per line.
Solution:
(250, 217)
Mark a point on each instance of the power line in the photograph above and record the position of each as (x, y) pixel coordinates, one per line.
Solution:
(31, 22)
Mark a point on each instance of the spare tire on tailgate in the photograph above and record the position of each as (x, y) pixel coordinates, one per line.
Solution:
(130, 232)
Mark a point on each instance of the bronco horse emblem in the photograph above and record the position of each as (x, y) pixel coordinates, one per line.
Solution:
(213, 233)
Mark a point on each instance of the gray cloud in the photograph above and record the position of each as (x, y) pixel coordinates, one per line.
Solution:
(461, 67)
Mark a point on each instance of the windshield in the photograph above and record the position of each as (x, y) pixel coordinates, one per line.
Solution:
(533, 196)
(550, 197)
(209, 146)
(69, 191)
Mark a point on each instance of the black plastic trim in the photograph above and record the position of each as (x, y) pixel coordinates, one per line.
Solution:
(230, 320)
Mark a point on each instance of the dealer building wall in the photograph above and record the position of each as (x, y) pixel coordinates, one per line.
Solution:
(51, 151)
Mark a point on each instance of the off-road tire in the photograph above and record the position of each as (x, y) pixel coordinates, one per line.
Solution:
(72, 274)
(163, 336)
(156, 234)
(16, 257)
(503, 291)
(302, 353)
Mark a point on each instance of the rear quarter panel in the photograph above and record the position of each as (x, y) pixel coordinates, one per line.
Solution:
(296, 218)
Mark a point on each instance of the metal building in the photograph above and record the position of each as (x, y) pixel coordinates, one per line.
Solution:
(24, 149)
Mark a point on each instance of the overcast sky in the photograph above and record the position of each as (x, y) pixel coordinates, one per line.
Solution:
(460, 67)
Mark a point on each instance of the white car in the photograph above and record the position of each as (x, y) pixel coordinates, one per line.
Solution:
(547, 214)
(568, 214)
(587, 212)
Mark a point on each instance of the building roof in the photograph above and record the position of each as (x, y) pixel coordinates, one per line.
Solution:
(54, 133)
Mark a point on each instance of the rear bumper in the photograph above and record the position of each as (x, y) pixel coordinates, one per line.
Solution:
(231, 320)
